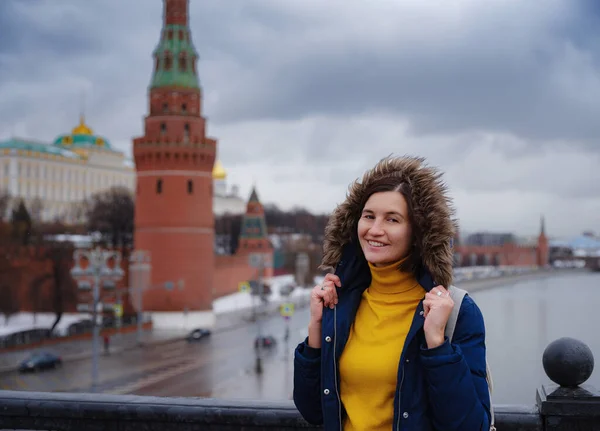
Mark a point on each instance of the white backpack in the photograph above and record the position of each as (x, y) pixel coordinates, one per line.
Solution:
(457, 296)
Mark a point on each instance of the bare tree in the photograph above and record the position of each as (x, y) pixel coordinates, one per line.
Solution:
(64, 288)
(9, 300)
(297, 220)
(35, 210)
(77, 212)
(111, 214)
(227, 230)
(21, 224)
(36, 294)
(5, 199)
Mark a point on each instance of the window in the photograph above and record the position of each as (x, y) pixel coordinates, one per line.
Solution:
(184, 108)
(182, 63)
(165, 107)
(181, 35)
(157, 64)
(163, 128)
(186, 131)
(168, 61)
(170, 35)
(190, 187)
(159, 186)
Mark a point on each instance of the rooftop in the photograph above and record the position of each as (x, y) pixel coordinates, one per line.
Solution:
(37, 147)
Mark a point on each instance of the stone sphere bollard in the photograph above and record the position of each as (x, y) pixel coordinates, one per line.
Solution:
(568, 362)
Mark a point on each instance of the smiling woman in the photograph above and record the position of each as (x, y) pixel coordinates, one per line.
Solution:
(385, 228)
(376, 356)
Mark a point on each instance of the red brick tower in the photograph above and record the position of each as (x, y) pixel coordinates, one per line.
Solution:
(254, 236)
(543, 247)
(174, 161)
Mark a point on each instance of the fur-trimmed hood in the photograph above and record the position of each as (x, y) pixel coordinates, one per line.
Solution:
(432, 211)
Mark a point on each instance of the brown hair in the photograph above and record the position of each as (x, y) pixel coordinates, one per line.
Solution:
(430, 214)
(393, 183)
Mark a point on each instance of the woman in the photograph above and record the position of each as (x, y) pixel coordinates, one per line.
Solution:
(376, 357)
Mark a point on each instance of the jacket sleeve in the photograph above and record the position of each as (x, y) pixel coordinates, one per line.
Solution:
(456, 375)
(307, 383)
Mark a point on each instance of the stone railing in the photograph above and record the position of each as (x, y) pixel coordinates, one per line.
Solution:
(567, 406)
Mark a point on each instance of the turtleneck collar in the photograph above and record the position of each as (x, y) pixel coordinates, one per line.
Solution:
(389, 279)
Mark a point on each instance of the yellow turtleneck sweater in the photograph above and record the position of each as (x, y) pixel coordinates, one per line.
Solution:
(369, 362)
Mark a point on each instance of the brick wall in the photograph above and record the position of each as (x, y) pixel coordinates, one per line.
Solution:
(229, 271)
(29, 264)
(508, 254)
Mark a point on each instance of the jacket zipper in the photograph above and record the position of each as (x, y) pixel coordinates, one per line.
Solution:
(337, 392)
(399, 401)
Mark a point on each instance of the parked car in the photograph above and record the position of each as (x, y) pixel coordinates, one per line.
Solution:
(40, 361)
(198, 334)
(264, 341)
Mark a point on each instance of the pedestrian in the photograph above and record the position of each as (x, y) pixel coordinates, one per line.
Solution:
(106, 344)
(376, 357)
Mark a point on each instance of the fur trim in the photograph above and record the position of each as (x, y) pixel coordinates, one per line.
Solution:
(432, 210)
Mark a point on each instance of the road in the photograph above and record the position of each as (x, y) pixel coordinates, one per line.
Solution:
(522, 314)
(221, 366)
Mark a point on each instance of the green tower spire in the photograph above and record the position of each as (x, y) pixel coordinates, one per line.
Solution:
(175, 56)
(254, 225)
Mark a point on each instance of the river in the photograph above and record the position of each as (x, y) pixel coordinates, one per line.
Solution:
(522, 316)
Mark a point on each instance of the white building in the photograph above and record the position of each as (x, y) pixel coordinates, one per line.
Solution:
(53, 178)
(225, 201)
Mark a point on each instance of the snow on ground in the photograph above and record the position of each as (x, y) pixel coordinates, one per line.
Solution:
(27, 321)
(241, 301)
(237, 301)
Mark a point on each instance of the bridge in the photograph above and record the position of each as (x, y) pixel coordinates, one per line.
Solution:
(569, 404)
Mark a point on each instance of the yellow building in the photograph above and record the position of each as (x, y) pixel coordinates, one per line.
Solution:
(54, 178)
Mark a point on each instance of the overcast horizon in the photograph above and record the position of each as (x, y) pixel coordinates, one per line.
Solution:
(304, 95)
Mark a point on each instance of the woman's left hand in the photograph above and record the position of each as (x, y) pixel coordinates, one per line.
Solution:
(437, 307)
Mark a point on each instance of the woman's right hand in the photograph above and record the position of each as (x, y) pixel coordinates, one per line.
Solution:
(323, 295)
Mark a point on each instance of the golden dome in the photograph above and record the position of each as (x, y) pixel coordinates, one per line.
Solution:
(82, 128)
(218, 172)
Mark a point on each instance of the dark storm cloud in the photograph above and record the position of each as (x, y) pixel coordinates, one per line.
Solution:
(502, 95)
(510, 68)
(67, 49)
(497, 75)
(65, 33)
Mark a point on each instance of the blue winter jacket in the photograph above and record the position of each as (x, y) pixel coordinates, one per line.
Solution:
(440, 389)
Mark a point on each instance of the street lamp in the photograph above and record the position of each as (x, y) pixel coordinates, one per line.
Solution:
(97, 270)
(257, 261)
(139, 270)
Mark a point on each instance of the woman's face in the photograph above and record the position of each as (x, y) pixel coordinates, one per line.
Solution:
(384, 230)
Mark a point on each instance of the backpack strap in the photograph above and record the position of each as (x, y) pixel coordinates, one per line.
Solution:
(457, 296)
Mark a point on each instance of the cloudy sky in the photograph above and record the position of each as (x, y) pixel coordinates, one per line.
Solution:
(304, 95)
